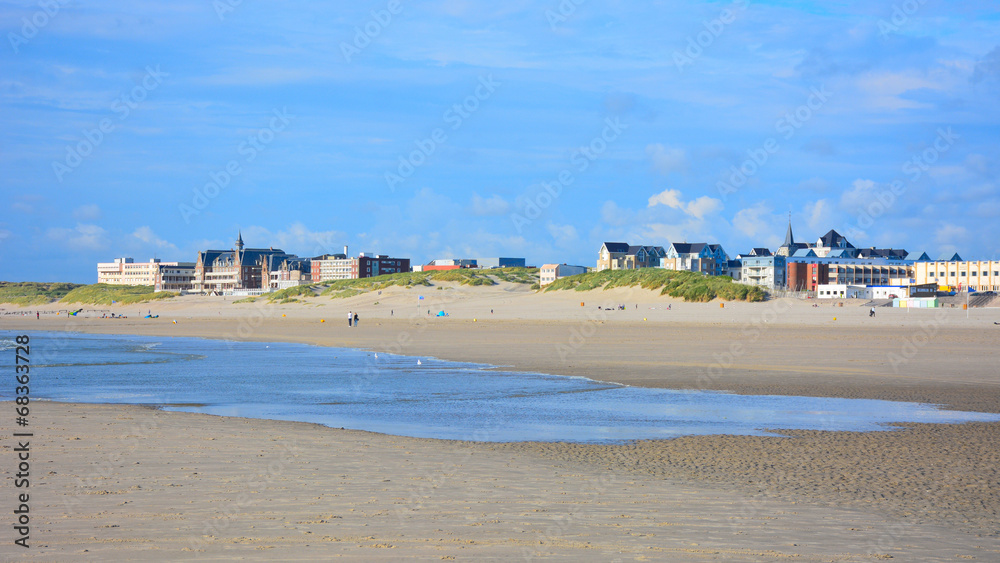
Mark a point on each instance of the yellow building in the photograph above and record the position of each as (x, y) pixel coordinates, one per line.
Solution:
(983, 275)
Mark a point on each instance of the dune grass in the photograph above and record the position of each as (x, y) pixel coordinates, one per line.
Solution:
(34, 293)
(290, 294)
(690, 286)
(472, 277)
(104, 294)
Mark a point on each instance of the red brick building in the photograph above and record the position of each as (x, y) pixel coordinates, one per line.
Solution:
(805, 277)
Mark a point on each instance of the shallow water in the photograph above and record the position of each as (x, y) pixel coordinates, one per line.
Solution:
(437, 399)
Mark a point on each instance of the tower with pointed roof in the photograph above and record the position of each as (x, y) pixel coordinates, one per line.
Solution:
(790, 246)
(239, 241)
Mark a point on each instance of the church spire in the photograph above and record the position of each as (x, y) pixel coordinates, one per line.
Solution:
(789, 239)
(239, 241)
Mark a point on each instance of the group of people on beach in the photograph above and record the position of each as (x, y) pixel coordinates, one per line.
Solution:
(352, 319)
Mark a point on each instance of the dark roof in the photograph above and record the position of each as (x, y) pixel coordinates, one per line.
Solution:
(617, 247)
(688, 247)
(833, 239)
(275, 261)
(789, 239)
(634, 249)
(760, 251)
(247, 257)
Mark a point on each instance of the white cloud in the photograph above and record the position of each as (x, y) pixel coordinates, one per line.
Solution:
(493, 205)
(668, 197)
(299, 239)
(564, 234)
(5, 234)
(697, 208)
(146, 235)
(862, 193)
(819, 215)
(82, 237)
(885, 90)
(667, 160)
(614, 215)
(703, 206)
(948, 235)
(89, 212)
(753, 221)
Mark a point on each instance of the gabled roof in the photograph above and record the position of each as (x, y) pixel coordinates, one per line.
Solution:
(654, 250)
(918, 257)
(833, 239)
(954, 258)
(759, 251)
(804, 253)
(842, 253)
(688, 247)
(617, 247)
(275, 261)
(246, 257)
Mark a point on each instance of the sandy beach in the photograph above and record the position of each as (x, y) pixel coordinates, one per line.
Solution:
(134, 483)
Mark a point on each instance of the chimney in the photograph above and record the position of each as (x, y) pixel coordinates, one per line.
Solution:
(345, 252)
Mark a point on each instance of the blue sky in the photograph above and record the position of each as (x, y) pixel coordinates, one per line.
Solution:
(474, 129)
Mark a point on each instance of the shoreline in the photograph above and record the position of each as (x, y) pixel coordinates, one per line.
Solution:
(788, 357)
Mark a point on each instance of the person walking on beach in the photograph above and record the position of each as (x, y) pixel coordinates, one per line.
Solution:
(872, 312)
(350, 318)
(355, 319)
(36, 316)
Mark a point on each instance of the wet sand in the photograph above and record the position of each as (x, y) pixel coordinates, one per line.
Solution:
(910, 493)
(132, 483)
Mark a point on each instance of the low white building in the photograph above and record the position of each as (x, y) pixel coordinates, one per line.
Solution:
(843, 291)
(889, 291)
(551, 272)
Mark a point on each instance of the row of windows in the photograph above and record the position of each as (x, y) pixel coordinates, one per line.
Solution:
(973, 274)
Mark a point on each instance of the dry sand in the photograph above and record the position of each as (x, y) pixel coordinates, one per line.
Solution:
(929, 492)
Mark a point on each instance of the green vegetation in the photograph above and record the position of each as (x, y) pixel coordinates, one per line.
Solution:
(250, 299)
(34, 293)
(471, 277)
(289, 294)
(691, 286)
(340, 289)
(516, 275)
(346, 293)
(104, 294)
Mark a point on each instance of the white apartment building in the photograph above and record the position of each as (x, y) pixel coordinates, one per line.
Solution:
(166, 276)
